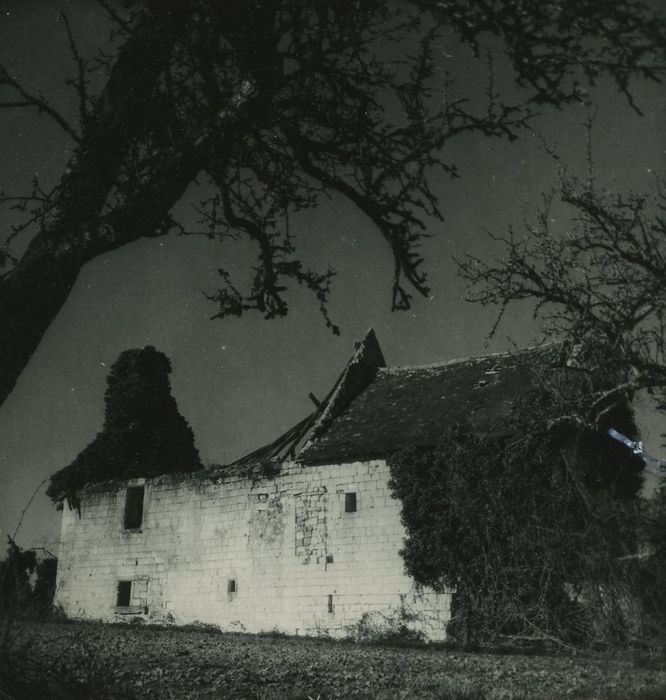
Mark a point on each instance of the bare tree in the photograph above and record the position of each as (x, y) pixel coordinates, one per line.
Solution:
(590, 565)
(600, 285)
(278, 103)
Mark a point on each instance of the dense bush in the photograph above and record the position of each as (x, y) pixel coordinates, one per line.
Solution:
(20, 597)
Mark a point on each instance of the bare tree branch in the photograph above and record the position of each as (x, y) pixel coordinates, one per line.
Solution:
(80, 83)
(601, 286)
(36, 101)
(327, 113)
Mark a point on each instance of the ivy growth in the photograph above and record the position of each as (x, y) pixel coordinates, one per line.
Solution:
(144, 434)
(523, 519)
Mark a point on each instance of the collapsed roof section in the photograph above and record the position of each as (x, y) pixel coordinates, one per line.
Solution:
(374, 410)
(356, 376)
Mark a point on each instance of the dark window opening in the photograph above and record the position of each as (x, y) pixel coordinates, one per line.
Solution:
(350, 502)
(231, 585)
(330, 603)
(124, 594)
(134, 507)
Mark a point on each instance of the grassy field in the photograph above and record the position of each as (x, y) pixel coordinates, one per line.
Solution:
(79, 660)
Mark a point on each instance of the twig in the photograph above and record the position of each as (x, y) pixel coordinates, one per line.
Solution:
(124, 26)
(27, 505)
(80, 83)
(37, 101)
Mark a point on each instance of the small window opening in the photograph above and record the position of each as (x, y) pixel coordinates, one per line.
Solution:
(231, 585)
(330, 604)
(133, 507)
(350, 502)
(124, 594)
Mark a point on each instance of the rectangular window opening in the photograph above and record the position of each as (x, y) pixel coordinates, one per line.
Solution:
(350, 502)
(124, 594)
(231, 585)
(134, 507)
(330, 604)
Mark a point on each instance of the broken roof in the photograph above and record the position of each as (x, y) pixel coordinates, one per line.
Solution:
(417, 405)
(357, 374)
(374, 410)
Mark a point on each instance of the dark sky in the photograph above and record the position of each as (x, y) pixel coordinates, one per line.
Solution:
(241, 382)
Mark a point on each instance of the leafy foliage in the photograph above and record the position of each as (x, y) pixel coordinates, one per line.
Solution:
(15, 570)
(599, 286)
(649, 575)
(45, 583)
(517, 522)
(17, 596)
(143, 434)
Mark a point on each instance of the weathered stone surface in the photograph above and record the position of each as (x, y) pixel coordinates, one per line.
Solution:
(286, 543)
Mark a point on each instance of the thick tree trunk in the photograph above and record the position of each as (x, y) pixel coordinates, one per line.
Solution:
(32, 296)
(34, 291)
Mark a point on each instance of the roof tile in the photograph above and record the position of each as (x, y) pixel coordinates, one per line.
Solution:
(417, 405)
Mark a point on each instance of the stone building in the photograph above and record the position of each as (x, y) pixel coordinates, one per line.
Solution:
(301, 536)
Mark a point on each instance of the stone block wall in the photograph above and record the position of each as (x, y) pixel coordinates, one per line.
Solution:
(251, 555)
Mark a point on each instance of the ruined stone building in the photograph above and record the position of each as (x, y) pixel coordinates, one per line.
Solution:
(301, 536)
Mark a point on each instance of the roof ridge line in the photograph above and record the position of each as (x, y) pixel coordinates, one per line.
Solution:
(477, 358)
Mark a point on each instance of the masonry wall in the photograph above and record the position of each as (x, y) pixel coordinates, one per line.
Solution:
(299, 563)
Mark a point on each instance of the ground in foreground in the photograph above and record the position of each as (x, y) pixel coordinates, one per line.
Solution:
(84, 660)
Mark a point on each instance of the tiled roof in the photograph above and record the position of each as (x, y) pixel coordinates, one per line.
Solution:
(416, 405)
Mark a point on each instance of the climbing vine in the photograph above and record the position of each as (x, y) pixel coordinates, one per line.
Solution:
(143, 435)
(524, 519)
